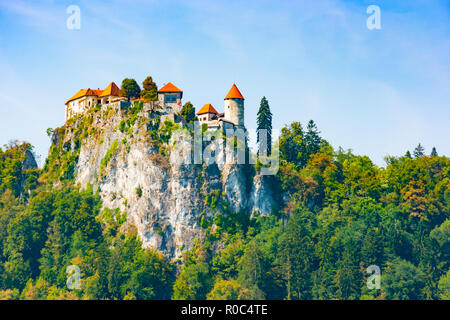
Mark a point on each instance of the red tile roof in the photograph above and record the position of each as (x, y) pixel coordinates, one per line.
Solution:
(111, 90)
(169, 88)
(234, 93)
(207, 108)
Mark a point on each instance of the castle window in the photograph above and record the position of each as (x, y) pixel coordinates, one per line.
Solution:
(170, 98)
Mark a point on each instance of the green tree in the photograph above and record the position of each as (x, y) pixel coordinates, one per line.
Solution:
(194, 282)
(434, 152)
(292, 147)
(115, 275)
(419, 151)
(130, 89)
(264, 122)
(151, 276)
(188, 112)
(150, 91)
(402, 281)
(251, 271)
(444, 286)
(49, 132)
(297, 258)
(225, 290)
(312, 138)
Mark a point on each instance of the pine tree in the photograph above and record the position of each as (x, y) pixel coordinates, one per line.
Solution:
(408, 154)
(419, 151)
(264, 121)
(312, 139)
(434, 152)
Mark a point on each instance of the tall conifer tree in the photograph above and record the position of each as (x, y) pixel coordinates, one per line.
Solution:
(434, 152)
(264, 121)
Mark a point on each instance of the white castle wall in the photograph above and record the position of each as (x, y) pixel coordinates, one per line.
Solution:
(234, 111)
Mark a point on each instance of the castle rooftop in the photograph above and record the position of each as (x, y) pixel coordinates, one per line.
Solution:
(169, 88)
(234, 93)
(207, 108)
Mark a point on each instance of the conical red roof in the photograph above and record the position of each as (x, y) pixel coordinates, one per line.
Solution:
(234, 93)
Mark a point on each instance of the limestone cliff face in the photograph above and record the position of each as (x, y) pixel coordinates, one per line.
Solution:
(164, 200)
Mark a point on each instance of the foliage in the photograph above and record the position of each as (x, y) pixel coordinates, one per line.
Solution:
(403, 281)
(336, 213)
(130, 89)
(150, 89)
(225, 290)
(14, 176)
(188, 112)
(264, 122)
(444, 286)
(193, 283)
(108, 155)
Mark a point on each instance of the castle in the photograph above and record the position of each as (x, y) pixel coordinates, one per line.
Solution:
(169, 102)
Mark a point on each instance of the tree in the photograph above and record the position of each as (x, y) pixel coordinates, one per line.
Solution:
(193, 283)
(402, 281)
(251, 271)
(419, 151)
(312, 139)
(444, 286)
(49, 132)
(414, 198)
(264, 122)
(347, 278)
(292, 148)
(188, 112)
(408, 154)
(115, 275)
(150, 91)
(225, 290)
(129, 89)
(434, 152)
(297, 258)
(151, 276)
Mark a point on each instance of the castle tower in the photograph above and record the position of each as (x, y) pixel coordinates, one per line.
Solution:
(170, 97)
(234, 107)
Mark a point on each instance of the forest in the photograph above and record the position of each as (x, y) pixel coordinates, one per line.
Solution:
(337, 214)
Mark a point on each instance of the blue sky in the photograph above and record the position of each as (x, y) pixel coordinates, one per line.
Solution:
(378, 92)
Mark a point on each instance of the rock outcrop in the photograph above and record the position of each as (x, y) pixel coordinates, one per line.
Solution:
(127, 155)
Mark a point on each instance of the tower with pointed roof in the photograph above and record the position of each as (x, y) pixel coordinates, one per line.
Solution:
(170, 97)
(234, 107)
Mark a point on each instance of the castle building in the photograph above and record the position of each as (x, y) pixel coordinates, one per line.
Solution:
(234, 107)
(86, 98)
(207, 114)
(233, 116)
(170, 97)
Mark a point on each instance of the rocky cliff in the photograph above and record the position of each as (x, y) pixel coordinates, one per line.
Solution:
(126, 153)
